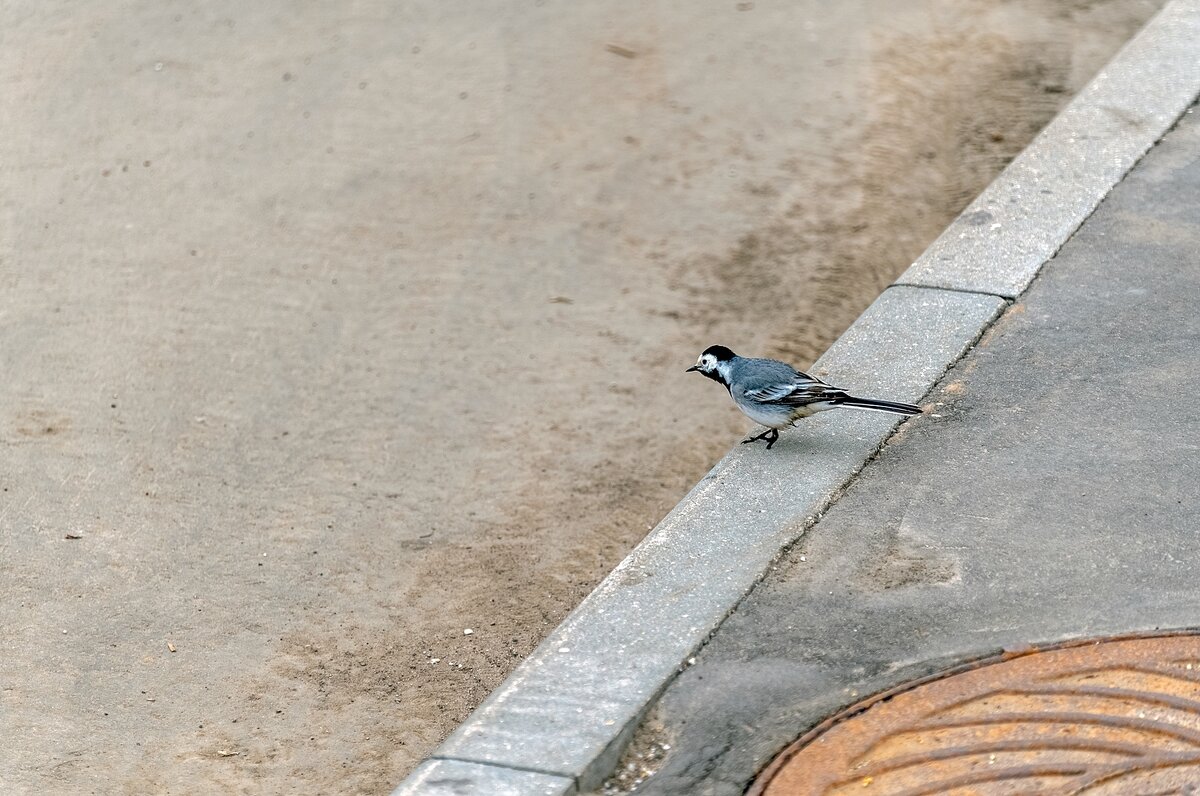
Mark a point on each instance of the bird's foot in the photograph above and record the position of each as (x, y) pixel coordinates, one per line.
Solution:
(771, 435)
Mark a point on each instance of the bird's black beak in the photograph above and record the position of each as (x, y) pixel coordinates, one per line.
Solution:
(693, 367)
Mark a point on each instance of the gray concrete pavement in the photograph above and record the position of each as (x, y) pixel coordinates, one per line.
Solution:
(1049, 493)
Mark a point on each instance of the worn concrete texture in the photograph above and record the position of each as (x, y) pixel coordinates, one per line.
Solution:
(1050, 494)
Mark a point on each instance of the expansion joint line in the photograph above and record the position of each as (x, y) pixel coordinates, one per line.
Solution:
(509, 766)
(968, 291)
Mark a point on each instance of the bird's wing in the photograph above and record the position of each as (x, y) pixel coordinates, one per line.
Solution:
(800, 390)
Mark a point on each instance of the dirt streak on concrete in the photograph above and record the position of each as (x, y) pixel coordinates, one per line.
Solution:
(333, 331)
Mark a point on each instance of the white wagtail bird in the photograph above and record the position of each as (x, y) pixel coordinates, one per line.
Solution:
(776, 395)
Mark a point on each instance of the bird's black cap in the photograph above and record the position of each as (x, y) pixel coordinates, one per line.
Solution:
(722, 353)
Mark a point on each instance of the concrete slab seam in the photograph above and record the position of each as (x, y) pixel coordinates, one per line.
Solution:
(1053, 253)
(919, 286)
(508, 766)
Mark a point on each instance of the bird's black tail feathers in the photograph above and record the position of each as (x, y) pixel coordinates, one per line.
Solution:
(894, 407)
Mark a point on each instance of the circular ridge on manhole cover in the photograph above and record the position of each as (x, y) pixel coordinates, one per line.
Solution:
(1114, 716)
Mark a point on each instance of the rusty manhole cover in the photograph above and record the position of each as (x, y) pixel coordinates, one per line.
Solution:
(1103, 717)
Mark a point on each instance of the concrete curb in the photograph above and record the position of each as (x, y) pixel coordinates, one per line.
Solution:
(569, 707)
(1023, 218)
(560, 722)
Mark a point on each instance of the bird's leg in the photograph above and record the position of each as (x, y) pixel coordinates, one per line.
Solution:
(773, 433)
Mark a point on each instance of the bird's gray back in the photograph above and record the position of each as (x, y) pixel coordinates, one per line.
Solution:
(749, 374)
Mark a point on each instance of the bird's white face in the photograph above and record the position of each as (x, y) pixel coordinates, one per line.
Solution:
(714, 363)
(707, 363)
